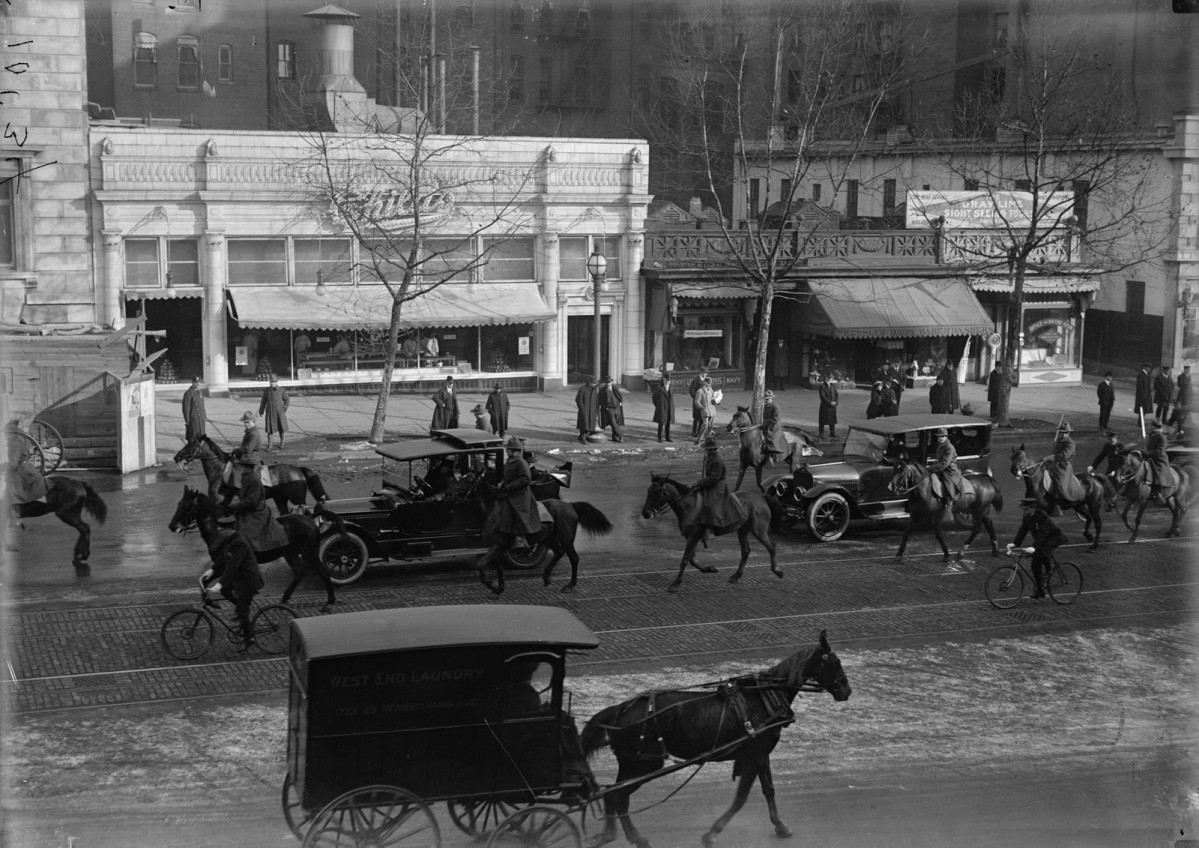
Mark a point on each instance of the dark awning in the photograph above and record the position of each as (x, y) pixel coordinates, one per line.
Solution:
(888, 307)
(363, 307)
(1038, 285)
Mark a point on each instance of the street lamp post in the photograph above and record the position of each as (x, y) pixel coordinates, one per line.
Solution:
(596, 266)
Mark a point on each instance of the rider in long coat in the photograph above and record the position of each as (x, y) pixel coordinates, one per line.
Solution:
(774, 441)
(663, 397)
(718, 508)
(1060, 468)
(252, 440)
(945, 466)
(518, 507)
(1157, 462)
(587, 406)
(273, 409)
(193, 412)
(255, 520)
(498, 406)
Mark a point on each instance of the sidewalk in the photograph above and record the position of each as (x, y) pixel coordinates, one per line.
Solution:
(547, 419)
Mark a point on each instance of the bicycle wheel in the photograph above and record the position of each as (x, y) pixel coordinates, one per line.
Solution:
(272, 628)
(1004, 587)
(49, 440)
(187, 634)
(1065, 582)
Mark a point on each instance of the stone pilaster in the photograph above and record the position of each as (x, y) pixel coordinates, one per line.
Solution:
(634, 326)
(113, 278)
(216, 343)
(550, 333)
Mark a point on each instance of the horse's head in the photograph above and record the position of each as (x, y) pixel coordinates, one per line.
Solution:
(187, 453)
(1130, 463)
(1020, 463)
(820, 665)
(187, 513)
(904, 475)
(740, 420)
(661, 494)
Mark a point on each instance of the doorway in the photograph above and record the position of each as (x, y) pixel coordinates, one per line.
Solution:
(580, 347)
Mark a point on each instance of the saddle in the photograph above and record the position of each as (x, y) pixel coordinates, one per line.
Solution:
(544, 514)
(938, 487)
(231, 478)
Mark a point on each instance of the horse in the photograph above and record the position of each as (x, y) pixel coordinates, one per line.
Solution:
(741, 719)
(753, 455)
(915, 481)
(66, 498)
(1098, 494)
(666, 493)
(288, 483)
(1134, 488)
(558, 536)
(196, 510)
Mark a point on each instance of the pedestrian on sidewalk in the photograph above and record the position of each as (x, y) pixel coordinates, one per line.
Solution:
(696, 382)
(1163, 393)
(938, 396)
(1106, 393)
(587, 404)
(445, 407)
(994, 387)
(498, 406)
(896, 392)
(612, 408)
(273, 410)
(874, 409)
(1143, 408)
(663, 398)
(1182, 403)
(705, 406)
(480, 417)
(193, 412)
(828, 408)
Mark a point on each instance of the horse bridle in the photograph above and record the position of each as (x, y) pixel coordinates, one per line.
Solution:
(671, 500)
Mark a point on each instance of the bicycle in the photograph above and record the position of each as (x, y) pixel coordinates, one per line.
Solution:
(189, 634)
(1005, 585)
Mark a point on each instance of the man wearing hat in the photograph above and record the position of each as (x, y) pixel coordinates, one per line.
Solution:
(255, 520)
(774, 441)
(497, 407)
(697, 383)
(1163, 393)
(828, 407)
(193, 412)
(1143, 405)
(587, 408)
(480, 417)
(705, 408)
(518, 507)
(235, 568)
(445, 407)
(663, 397)
(1046, 538)
(273, 409)
(1064, 486)
(945, 467)
(719, 510)
(1159, 475)
(611, 403)
(1113, 452)
(251, 439)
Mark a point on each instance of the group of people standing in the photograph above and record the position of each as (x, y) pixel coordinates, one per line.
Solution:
(1158, 398)
(598, 408)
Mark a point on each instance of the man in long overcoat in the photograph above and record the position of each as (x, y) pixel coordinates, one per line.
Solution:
(937, 400)
(1144, 398)
(945, 467)
(273, 409)
(950, 378)
(1182, 403)
(445, 407)
(874, 409)
(255, 520)
(1065, 485)
(719, 509)
(662, 393)
(611, 403)
(193, 412)
(518, 507)
(1106, 394)
(497, 407)
(828, 408)
(235, 570)
(896, 393)
(587, 409)
(994, 384)
(774, 441)
(1163, 393)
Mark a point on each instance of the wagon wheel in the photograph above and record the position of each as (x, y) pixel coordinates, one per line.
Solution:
(543, 827)
(478, 818)
(49, 440)
(374, 817)
(296, 816)
(22, 445)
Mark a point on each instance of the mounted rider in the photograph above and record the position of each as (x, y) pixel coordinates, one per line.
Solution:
(24, 479)
(1062, 484)
(252, 444)
(255, 520)
(774, 440)
(944, 467)
(1113, 452)
(718, 509)
(1158, 473)
(518, 515)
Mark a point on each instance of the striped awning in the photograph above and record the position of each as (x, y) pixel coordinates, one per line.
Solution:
(163, 294)
(894, 308)
(365, 307)
(1038, 285)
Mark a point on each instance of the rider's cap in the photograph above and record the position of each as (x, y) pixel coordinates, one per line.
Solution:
(227, 520)
(248, 416)
(513, 443)
(768, 396)
(710, 442)
(940, 431)
(1065, 427)
(478, 410)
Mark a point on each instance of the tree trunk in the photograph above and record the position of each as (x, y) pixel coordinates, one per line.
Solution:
(1011, 351)
(757, 401)
(389, 357)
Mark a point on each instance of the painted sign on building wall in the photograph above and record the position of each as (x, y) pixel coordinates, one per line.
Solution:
(986, 210)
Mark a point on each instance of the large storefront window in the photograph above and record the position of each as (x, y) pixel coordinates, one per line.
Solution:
(1050, 337)
(706, 337)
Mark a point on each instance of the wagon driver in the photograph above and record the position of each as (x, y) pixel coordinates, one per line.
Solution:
(719, 510)
(518, 507)
(945, 468)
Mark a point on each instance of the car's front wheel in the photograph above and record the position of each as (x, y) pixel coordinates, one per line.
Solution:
(828, 517)
(526, 558)
(344, 556)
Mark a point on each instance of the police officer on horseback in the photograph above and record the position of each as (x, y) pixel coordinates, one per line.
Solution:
(1063, 484)
(255, 520)
(518, 507)
(1157, 462)
(718, 509)
(774, 441)
(945, 467)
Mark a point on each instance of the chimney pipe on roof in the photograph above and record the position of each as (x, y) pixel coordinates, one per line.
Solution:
(335, 66)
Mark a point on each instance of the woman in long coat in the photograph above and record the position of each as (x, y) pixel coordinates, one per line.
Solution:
(663, 397)
(273, 409)
(255, 520)
(498, 406)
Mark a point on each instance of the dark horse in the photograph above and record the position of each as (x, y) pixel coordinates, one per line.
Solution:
(67, 498)
(666, 493)
(1135, 489)
(705, 726)
(558, 536)
(196, 510)
(1098, 493)
(915, 481)
(288, 483)
(752, 454)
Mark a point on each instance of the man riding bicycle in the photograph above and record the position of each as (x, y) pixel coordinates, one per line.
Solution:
(1046, 538)
(235, 569)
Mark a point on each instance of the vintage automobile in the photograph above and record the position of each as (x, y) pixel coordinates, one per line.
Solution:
(425, 509)
(828, 495)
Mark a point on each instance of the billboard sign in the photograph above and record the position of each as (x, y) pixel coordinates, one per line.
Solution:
(985, 210)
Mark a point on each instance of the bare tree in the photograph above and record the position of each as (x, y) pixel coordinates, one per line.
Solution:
(789, 93)
(1057, 125)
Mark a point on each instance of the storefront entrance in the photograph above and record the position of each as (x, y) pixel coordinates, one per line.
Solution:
(580, 347)
(180, 319)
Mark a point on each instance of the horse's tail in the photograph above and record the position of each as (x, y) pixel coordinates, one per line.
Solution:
(594, 522)
(94, 504)
(321, 510)
(315, 486)
(595, 732)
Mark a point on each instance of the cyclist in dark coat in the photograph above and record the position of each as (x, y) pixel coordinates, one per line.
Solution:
(235, 569)
(1046, 538)
(518, 506)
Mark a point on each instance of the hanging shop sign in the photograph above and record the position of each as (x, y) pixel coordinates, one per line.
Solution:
(704, 333)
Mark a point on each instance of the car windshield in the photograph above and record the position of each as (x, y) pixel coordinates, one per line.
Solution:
(861, 443)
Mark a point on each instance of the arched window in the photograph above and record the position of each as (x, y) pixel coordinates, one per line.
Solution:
(145, 60)
(225, 63)
(189, 62)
